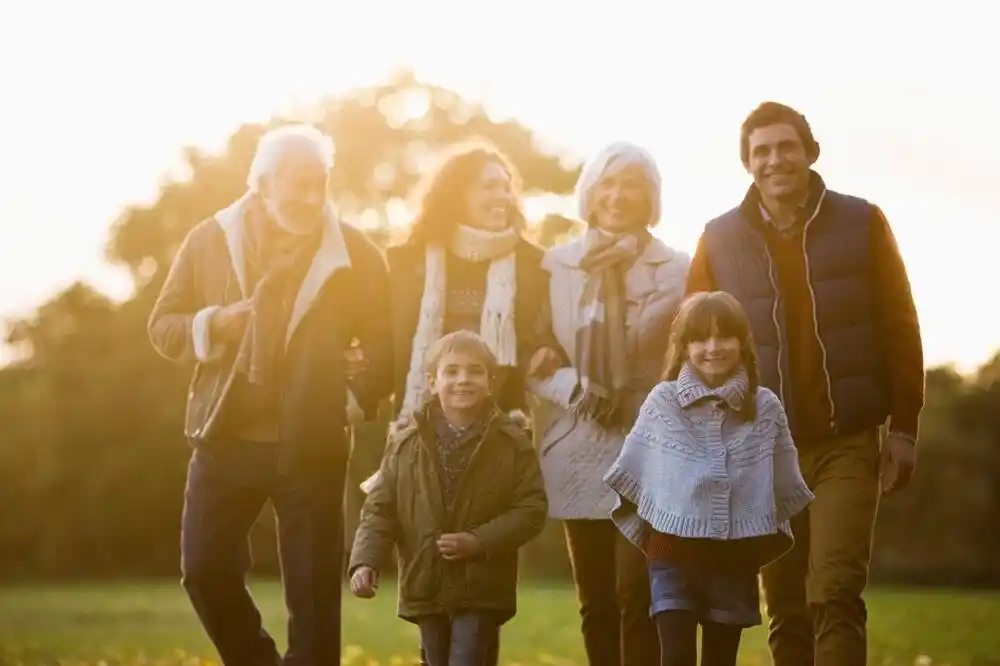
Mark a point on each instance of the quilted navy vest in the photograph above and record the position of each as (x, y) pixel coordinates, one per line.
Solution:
(839, 264)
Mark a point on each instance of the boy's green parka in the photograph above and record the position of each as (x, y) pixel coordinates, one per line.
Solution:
(500, 499)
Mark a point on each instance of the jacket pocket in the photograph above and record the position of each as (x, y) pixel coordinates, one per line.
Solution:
(418, 572)
(491, 581)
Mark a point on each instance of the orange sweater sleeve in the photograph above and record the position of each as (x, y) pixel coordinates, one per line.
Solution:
(700, 273)
(899, 329)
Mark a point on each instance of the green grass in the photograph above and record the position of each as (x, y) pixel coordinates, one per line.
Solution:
(152, 624)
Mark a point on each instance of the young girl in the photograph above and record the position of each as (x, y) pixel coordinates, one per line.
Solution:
(707, 481)
(458, 493)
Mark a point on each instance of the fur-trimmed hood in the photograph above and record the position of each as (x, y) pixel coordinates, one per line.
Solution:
(406, 423)
(515, 423)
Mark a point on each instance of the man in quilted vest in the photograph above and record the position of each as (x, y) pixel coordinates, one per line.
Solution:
(829, 301)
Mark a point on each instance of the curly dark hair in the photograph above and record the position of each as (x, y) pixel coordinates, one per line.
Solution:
(442, 203)
(703, 315)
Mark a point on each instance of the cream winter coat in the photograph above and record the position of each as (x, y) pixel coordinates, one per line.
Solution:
(575, 454)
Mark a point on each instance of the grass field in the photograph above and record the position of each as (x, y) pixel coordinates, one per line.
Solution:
(153, 625)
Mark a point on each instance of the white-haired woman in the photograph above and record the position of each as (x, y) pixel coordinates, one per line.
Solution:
(614, 293)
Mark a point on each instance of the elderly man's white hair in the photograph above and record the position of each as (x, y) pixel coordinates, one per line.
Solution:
(279, 142)
(610, 161)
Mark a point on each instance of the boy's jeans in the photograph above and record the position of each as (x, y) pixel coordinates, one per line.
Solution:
(467, 639)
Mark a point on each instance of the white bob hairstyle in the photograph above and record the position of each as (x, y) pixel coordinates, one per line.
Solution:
(610, 161)
(276, 144)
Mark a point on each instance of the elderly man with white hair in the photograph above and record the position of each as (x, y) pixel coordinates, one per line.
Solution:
(272, 298)
(613, 294)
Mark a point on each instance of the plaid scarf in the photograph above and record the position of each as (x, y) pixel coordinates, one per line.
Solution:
(276, 264)
(455, 446)
(601, 359)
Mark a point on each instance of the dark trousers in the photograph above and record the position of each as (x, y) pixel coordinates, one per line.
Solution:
(612, 585)
(465, 639)
(679, 640)
(814, 593)
(228, 483)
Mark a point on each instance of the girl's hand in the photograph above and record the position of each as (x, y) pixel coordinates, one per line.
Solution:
(459, 546)
(364, 582)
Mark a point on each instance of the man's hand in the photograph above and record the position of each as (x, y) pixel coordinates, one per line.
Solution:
(355, 363)
(364, 582)
(544, 362)
(459, 546)
(229, 322)
(898, 461)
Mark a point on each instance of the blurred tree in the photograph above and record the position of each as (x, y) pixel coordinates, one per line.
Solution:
(91, 451)
(386, 137)
(92, 460)
(555, 229)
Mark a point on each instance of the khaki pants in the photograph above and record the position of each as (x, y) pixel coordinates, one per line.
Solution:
(814, 593)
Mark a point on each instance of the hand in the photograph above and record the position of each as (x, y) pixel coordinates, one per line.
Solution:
(229, 322)
(544, 362)
(898, 460)
(459, 546)
(355, 363)
(364, 582)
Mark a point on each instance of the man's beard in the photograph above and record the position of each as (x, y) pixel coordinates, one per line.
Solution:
(296, 225)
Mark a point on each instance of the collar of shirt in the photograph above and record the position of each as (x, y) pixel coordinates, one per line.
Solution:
(792, 229)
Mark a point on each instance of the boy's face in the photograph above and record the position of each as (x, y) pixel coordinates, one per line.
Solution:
(461, 382)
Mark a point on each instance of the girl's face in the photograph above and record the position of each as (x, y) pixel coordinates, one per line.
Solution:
(490, 198)
(620, 201)
(715, 358)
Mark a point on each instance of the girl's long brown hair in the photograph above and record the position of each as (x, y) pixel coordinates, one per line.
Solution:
(443, 199)
(703, 315)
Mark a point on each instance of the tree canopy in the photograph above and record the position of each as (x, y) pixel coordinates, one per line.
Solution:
(92, 458)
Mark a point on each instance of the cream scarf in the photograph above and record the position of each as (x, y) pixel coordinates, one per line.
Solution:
(497, 324)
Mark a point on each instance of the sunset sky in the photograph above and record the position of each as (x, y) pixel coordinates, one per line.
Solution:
(98, 98)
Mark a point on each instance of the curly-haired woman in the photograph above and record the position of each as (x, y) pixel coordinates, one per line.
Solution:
(467, 265)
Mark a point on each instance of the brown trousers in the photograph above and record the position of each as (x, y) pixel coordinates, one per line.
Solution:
(612, 585)
(814, 593)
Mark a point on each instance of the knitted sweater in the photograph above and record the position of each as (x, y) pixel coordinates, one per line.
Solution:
(693, 468)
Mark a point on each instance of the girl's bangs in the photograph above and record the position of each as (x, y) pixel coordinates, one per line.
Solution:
(713, 317)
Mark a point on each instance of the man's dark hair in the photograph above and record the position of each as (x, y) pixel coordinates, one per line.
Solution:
(775, 113)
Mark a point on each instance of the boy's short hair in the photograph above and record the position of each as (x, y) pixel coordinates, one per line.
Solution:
(463, 342)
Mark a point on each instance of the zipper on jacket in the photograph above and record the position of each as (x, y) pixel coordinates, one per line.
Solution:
(777, 325)
(815, 317)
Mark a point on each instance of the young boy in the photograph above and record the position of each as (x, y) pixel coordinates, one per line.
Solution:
(458, 493)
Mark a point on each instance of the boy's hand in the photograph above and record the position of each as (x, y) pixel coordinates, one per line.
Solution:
(459, 546)
(364, 582)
